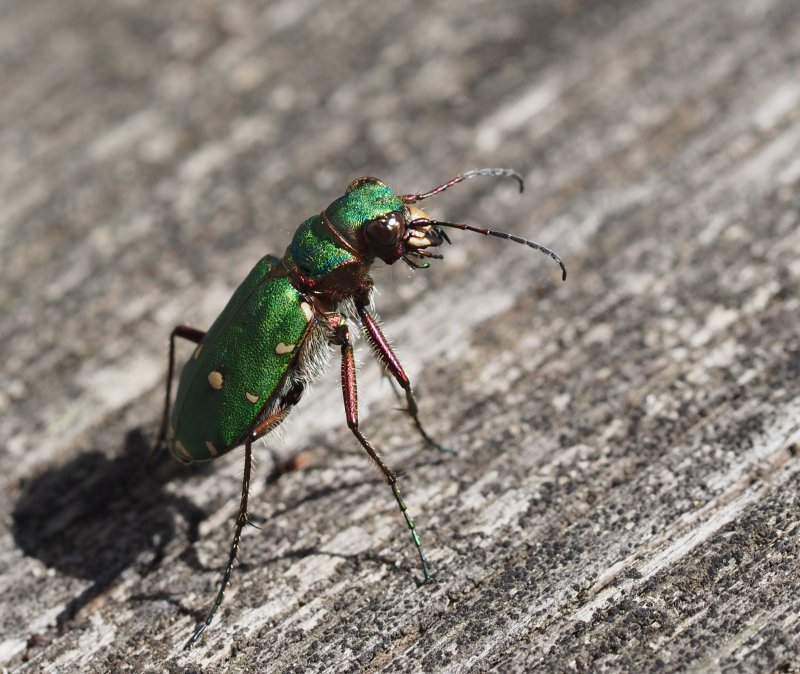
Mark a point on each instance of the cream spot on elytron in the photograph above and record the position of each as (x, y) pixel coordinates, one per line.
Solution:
(307, 310)
(251, 397)
(215, 379)
(211, 449)
(282, 348)
(181, 452)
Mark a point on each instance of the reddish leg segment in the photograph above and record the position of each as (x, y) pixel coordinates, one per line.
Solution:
(385, 354)
(350, 393)
(289, 400)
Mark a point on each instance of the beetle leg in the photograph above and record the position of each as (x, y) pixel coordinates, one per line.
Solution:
(241, 520)
(389, 360)
(289, 400)
(193, 335)
(349, 390)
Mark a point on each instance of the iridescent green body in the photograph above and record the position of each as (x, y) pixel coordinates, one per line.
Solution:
(255, 349)
(243, 359)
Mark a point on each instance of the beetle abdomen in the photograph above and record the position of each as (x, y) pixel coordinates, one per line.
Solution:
(239, 367)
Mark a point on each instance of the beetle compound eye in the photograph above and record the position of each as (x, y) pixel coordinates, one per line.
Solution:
(386, 231)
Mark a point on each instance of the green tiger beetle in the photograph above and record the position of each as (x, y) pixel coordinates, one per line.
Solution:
(273, 338)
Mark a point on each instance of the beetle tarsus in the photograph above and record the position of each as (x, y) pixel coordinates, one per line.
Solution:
(193, 639)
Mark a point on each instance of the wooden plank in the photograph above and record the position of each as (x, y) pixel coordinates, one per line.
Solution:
(625, 494)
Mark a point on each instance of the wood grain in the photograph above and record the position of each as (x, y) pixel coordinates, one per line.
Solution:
(625, 496)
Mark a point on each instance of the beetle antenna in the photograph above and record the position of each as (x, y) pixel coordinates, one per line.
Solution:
(494, 172)
(509, 237)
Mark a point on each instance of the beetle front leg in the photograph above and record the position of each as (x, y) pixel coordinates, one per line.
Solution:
(193, 335)
(350, 393)
(385, 354)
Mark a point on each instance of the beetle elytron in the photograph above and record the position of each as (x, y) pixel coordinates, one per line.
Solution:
(271, 340)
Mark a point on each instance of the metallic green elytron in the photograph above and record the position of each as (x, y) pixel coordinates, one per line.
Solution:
(275, 335)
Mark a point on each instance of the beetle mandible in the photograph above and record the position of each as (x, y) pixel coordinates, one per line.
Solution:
(251, 367)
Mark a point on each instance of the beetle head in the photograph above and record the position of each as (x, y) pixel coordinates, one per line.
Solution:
(379, 224)
(400, 233)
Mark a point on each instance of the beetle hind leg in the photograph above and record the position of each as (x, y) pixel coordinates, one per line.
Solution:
(350, 394)
(195, 336)
(241, 520)
(290, 399)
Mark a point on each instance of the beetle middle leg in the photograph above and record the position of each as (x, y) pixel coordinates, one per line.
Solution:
(384, 352)
(195, 336)
(349, 390)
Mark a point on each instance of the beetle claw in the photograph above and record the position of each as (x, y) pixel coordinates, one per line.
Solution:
(430, 579)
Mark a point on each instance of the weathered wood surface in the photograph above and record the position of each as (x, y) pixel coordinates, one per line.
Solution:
(626, 493)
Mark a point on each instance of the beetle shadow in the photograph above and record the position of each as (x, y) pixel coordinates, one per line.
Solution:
(93, 517)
